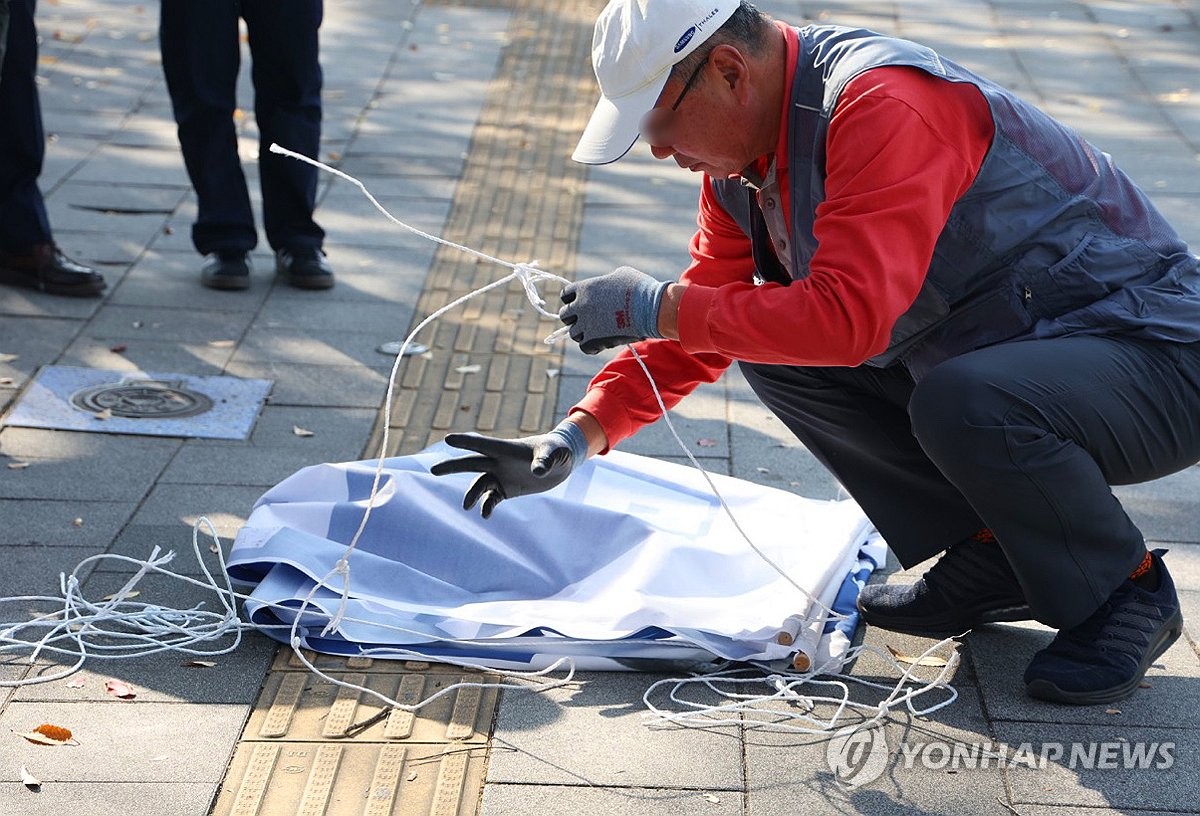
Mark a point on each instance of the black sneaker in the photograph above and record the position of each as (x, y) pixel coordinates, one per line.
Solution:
(971, 584)
(1104, 658)
(226, 270)
(304, 268)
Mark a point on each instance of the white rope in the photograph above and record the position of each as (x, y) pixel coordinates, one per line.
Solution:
(118, 627)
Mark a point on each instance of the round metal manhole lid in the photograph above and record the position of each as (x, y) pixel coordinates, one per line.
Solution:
(142, 399)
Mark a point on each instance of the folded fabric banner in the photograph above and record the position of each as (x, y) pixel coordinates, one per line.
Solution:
(629, 563)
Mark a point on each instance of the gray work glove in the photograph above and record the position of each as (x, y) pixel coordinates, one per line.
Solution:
(613, 309)
(514, 467)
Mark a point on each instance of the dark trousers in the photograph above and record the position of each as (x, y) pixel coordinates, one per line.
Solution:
(1025, 438)
(201, 57)
(23, 220)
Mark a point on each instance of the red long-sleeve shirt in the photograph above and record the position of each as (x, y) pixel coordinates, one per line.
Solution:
(902, 148)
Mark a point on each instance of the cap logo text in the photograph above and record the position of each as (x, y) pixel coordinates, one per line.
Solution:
(685, 39)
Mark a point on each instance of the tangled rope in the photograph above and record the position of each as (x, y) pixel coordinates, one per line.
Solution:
(118, 627)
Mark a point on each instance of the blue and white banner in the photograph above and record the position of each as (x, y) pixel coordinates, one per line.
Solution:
(631, 562)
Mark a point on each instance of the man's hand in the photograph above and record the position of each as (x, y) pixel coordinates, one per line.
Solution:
(613, 309)
(514, 467)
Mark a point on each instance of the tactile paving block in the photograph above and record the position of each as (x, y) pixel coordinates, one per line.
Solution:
(348, 779)
(303, 706)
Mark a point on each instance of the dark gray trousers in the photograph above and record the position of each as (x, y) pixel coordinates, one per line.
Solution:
(1023, 437)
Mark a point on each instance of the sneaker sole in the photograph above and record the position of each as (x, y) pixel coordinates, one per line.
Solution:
(943, 627)
(1046, 690)
(226, 282)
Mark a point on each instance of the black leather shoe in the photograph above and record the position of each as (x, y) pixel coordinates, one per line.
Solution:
(304, 268)
(226, 270)
(46, 269)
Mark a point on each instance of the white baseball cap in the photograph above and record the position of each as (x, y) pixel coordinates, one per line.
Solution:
(634, 47)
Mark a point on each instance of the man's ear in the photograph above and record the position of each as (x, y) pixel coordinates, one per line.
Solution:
(732, 67)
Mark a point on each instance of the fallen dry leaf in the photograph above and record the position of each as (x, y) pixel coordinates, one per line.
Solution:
(29, 780)
(222, 343)
(17, 465)
(47, 734)
(469, 369)
(77, 522)
(706, 442)
(1112, 711)
(712, 797)
(131, 594)
(927, 660)
(8, 358)
(77, 683)
(105, 414)
(120, 689)
(198, 664)
(298, 431)
(6, 380)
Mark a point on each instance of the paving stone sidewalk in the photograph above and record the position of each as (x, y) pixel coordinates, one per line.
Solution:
(459, 115)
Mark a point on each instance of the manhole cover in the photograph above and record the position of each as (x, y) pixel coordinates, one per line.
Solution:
(142, 399)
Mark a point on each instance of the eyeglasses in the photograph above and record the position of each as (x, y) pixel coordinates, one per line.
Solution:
(687, 86)
(654, 125)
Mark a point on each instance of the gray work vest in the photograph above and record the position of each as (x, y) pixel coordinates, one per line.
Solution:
(1051, 239)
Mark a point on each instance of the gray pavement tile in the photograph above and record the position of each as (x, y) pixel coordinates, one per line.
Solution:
(161, 678)
(302, 314)
(350, 386)
(112, 798)
(53, 523)
(134, 165)
(277, 341)
(226, 506)
(1183, 562)
(137, 541)
(1183, 211)
(35, 571)
(17, 442)
(700, 422)
(768, 453)
(115, 472)
(172, 279)
(911, 779)
(334, 430)
(372, 274)
(258, 467)
(1093, 770)
(350, 218)
(110, 253)
(114, 354)
(182, 323)
(1002, 651)
(36, 341)
(1164, 509)
(544, 732)
(1189, 604)
(562, 800)
(877, 661)
(125, 740)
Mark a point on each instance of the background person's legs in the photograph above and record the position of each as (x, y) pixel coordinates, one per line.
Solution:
(201, 57)
(23, 221)
(287, 78)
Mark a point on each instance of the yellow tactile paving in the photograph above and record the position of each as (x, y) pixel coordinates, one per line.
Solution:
(310, 747)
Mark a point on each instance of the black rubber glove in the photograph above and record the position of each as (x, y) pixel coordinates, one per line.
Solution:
(612, 310)
(514, 467)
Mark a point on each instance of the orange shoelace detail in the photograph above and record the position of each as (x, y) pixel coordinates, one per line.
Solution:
(1143, 568)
